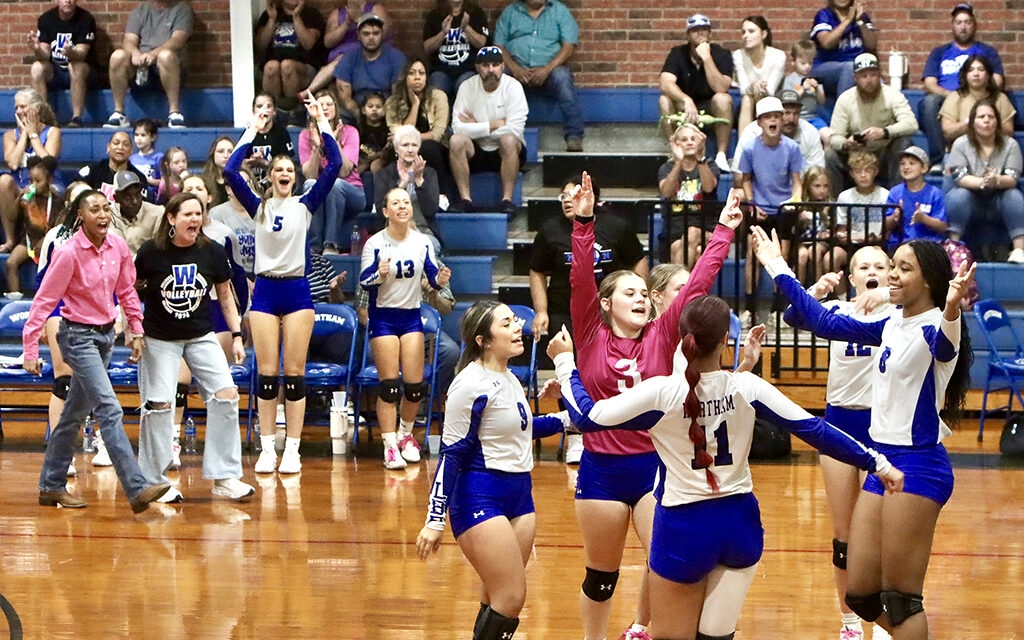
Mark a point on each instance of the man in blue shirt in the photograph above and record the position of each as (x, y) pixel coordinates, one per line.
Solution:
(537, 38)
(942, 75)
(374, 68)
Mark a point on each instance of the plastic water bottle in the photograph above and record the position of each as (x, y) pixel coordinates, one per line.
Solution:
(257, 445)
(356, 242)
(89, 435)
(190, 447)
(142, 76)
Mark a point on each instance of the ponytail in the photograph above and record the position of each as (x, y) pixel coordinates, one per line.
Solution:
(692, 403)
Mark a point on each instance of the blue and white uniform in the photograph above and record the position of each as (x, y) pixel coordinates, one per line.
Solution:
(54, 239)
(486, 450)
(395, 299)
(282, 254)
(695, 528)
(225, 237)
(911, 367)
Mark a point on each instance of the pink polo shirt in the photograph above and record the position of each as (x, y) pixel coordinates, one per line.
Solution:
(86, 279)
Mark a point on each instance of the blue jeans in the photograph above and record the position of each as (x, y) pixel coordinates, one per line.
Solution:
(928, 116)
(836, 77)
(560, 86)
(963, 204)
(343, 203)
(450, 85)
(87, 351)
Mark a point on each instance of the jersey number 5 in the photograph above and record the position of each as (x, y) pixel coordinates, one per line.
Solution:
(722, 457)
(410, 269)
(277, 223)
(627, 367)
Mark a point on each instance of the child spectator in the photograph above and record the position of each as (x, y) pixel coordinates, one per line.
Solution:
(373, 134)
(173, 169)
(861, 225)
(814, 224)
(271, 141)
(922, 211)
(147, 158)
(38, 206)
(689, 177)
(812, 94)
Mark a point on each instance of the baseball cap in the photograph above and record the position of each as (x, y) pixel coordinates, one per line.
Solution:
(865, 61)
(369, 18)
(697, 21)
(962, 6)
(489, 54)
(917, 152)
(789, 96)
(125, 179)
(771, 104)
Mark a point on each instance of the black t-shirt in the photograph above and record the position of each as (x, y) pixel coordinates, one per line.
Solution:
(177, 291)
(99, 176)
(456, 54)
(275, 142)
(80, 29)
(284, 44)
(615, 247)
(690, 75)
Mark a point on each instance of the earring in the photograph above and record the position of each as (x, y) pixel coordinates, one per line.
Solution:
(170, 232)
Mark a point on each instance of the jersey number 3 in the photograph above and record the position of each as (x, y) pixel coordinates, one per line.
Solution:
(627, 367)
(409, 266)
(722, 456)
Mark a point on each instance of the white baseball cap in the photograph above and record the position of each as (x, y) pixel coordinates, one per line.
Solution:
(771, 104)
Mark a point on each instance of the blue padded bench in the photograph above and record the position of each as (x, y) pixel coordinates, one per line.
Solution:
(473, 231)
(199, 106)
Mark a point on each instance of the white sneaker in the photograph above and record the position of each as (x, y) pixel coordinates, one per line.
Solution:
(267, 461)
(102, 458)
(175, 456)
(232, 488)
(878, 633)
(172, 496)
(1016, 256)
(117, 120)
(393, 458)
(723, 163)
(573, 448)
(72, 471)
(410, 448)
(290, 462)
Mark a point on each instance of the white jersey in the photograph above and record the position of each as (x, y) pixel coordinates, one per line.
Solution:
(411, 260)
(850, 364)
(911, 365)
(729, 403)
(488, 426)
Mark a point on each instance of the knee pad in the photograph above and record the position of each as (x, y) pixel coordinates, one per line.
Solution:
(266, 387)
(414, 391)
(494, 626)
(61, 384)
(868, 607)
(839, 551)
(600, 585)
(294, 388)
(899, 606)
(390, 391)
(704, 636)
(181, 396)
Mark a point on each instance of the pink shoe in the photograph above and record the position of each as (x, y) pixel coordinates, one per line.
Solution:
(410, 448)
(636, 634)
(850, 634)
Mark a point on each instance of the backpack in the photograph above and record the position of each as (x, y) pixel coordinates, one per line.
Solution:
(959, 254)
(769, 441)
(1011, 442)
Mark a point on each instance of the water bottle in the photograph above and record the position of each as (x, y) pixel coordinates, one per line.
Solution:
(257, 445)
(142, 76)
(190, 447)
(89, 435)
(31, 193)
(355, 242)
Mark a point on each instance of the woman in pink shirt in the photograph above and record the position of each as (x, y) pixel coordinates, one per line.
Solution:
(617, 347)
(86, 273)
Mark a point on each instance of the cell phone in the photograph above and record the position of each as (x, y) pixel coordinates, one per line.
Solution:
(859, 137)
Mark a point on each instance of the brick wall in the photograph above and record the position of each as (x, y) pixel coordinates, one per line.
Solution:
(623, 42)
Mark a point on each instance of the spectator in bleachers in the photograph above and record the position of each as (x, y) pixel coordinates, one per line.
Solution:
(537, 38)
(374, 68)
(374, 135)
(759, 66)
(814, 225)
(146, 158)
(453, 31)
(64, 55)
(986, 165)
(942, 76)
(271, 141)
(842, 31)
(131, 217)
(151, 54)
(410, 172)
(921, 213)
(807, 87)
(869, 117)
(488, 121)
(342, 35)
(289, 41)
(695, 79)
(35, 134)
(346, 198)
(976, 82)
(415, 102)
(213, 170)
(688, 176)
(100, 174)
(793, 126)
(173, 171)
(852, 221)
(235, 217)
(38, 208)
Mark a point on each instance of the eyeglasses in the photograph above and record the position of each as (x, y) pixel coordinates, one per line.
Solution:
(565, 196)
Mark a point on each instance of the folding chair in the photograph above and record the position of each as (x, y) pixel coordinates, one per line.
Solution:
(1002, 369)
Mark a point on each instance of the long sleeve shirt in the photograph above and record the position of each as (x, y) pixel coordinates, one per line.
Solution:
(86, 278)
(889, 110)
(508, 101)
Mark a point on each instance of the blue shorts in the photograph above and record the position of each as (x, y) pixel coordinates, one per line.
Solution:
(482, 495)
(853, 422)
(281, 296)
(393, 322)
(220, 324)
(818, 122)
(690, 540)
(926, 471)
(626, 478)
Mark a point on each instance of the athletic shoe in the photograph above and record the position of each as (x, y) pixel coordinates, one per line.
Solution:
(232, 488)
(508, 208)
(72, 471)
(173, 496)
(102, 458)
(573, 448)
(636, 634)
(878, 633)
(117, 120)
(175, 455)
(1016, 256)
(75, 123)
(850, 634)
(393, 459)
(267, 461)
(410, 448)
(175, 120)
(290, 462)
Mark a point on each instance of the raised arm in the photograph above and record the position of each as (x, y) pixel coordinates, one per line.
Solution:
(584, 307)
(249, 200)
(316, 195)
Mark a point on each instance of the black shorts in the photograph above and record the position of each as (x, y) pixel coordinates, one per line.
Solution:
(699, 214)
(784, 223)
(491, 160)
